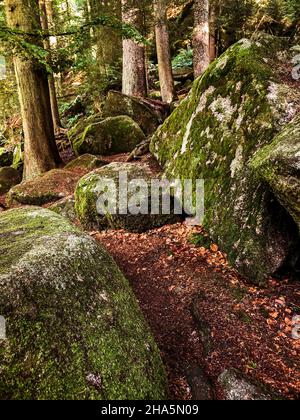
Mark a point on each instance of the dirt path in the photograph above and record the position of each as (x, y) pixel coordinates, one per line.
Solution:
(190, 296)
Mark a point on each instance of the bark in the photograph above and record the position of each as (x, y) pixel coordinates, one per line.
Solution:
(41, 153)
(52, 89)
(201, 37)
(134, 66)
(163, 51)
(109, 41)
(212, 33)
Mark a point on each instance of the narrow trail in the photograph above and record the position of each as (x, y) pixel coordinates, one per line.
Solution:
(203, 315)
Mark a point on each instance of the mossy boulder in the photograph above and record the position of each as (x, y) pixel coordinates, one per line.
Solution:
(111, 136)
(51, 186)
(6, 156)
(237, 107)
(9, 177)
(124, 132)
(278, 164)
(87, 161)
(73, 326)
(99, 215)
(119, 104)
(65, 207)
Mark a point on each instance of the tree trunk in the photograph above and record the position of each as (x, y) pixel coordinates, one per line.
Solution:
(201, 37)
(53, 97)
(134, 67)
(163, 51)
(41, 153)
(109, 41)
(212, 33)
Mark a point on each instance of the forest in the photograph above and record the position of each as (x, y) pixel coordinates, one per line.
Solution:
(150, 201)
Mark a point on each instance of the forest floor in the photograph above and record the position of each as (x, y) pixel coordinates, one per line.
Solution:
(203, 314)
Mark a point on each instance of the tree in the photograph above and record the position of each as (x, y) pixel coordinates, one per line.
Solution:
(46, 6)
(163, 51)
(201, 43)
(212, 32)
(134, 67)
(109, 41)
(41, 153)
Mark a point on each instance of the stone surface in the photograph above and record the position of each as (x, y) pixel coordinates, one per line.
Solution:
(239, 387)
(111, 136)
(9, 177)
(237, 107)
(65, 207)
(51, 186)
(92, 215)
(278, 164)
(74, 328)
(118, 104)
(87, 161)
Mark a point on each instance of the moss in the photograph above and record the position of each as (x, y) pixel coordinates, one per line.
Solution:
(9, 177)
(90, 188)
(86, 161)
(65, 208)
(51, 186)
(234, 109)
(278, 165)
(112, 135)
(124, 132)
(74, 329)
(118, 104)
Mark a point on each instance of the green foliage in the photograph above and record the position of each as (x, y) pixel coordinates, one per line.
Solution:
(183, 59)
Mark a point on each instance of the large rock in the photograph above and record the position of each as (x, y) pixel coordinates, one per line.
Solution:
(240, 387)
(74, 328)
(9, 177)
(86, 162)
(113, 135)
(51, 186)
(65, 207)
(278, 164)
(141, 112)
(95, 215)
(6, 157)
(234, 109)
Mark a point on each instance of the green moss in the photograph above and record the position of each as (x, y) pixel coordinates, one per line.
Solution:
(51, 186)
(234, 109)
(92, 216)
(118, 104)
(112, 135)
(278, 165)
(74, 329)
(124, 132)
(86, 161)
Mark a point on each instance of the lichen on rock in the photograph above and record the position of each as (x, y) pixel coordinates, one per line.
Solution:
(51, 186)
(112, 135)
(119, 104)
(74, 328)
(238, 106)
(87, 161)
(94, 213)
(278, 164)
